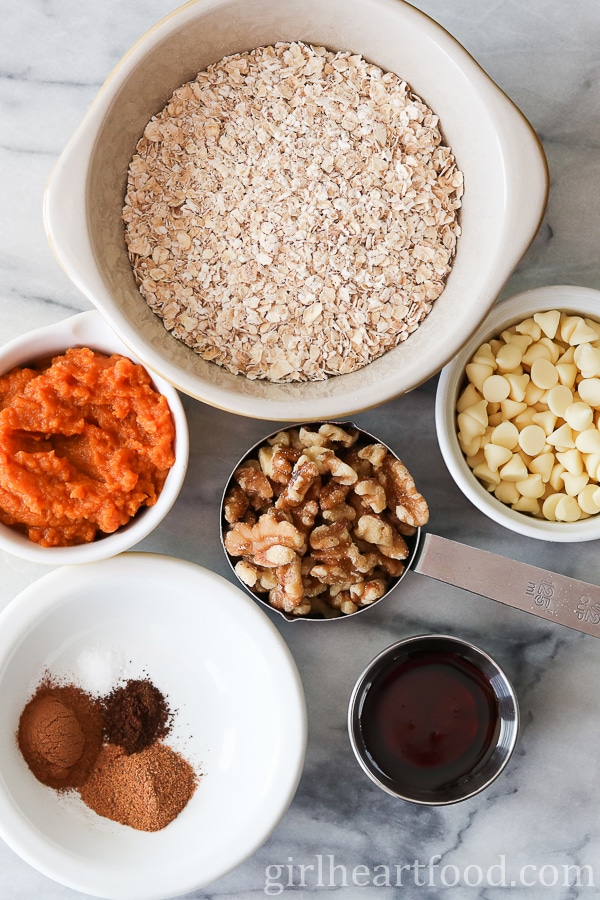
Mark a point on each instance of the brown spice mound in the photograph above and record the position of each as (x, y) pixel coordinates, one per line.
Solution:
(60, 735)
(135, 715)
(145, 790)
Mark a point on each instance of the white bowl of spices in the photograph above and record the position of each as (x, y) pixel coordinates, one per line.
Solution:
(314, 253)
(518, 414)
(93, 448)
(132, 766)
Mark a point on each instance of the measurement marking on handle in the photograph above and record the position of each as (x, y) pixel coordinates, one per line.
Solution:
(586, 611)
(542, 593)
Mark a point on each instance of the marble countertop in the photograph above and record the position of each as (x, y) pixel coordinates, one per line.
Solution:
(536, 828)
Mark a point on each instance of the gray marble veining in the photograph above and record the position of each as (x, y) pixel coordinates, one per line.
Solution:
(531, 830)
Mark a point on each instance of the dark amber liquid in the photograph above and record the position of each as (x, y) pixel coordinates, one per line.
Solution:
(429, 720)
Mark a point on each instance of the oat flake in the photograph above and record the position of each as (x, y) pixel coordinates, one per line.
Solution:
(292, 213)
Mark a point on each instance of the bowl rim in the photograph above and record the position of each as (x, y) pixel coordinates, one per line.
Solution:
(525, 166)
(570, 298)
(91, 329)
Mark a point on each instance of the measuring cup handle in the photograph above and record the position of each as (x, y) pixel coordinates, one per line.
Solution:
(557, 598)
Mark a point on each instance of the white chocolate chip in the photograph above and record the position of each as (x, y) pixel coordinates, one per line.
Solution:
(508, 358)
(546, 420)
(469, 397)
(581, 333)
(555, 481)
(549, 507)
(532, 439)
(477, 373)
(514, 469)
(524, 419)
(532, 486)
(485, 356)
(543, 373)
(588, 441)
(589, 391)
(510, 408)
(484, 473)
(543, 465)
(559, 398)
(587, 359)
(574, 484)
(507, 492)
(579, 416)
(533, 393)
(571, 460)
(591, 462)
(548, 321)
(527, 505)
(496, 456)
(567, 509)
(518, 386)
(529, 327)
(505, 435)
(586, 500)
(469, 428)
(536, 352)
(562, 438)
(567, 373)
(495, 388)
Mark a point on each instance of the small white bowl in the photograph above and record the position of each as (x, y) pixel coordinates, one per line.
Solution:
(568, 298)
(89, 329)
(239, 719)
(502, 160)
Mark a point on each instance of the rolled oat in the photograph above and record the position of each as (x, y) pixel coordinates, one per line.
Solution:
(292, 213)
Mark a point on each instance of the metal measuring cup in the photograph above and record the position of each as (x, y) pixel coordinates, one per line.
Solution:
(549, 595)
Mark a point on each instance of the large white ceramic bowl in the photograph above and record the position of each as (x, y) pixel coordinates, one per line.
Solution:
(239, 719)
(568, 298)
(90, 329)
(502, 161)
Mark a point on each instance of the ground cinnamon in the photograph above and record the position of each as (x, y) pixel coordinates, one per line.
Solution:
(144, 790)
(60, 735)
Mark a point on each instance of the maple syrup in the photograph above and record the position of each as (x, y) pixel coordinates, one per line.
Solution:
(429, 720)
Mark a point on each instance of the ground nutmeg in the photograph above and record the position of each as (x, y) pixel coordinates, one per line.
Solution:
(144, 790)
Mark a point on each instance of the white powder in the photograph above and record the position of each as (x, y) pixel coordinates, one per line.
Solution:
(98, 669)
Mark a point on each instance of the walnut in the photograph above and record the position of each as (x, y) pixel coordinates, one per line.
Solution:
(402, 495)
(289, 592)
(302, 477)
(235, 505)
(247, 540)
(254, 483)
(373, 494)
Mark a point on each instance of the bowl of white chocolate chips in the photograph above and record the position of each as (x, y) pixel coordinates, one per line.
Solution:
(518, 414)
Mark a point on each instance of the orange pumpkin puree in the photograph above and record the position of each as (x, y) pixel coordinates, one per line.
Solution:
(85, 441)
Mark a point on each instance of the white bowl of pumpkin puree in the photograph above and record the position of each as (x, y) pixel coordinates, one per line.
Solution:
(93, 447)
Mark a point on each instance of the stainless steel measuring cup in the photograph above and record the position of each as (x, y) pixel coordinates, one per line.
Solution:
(549, 595)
